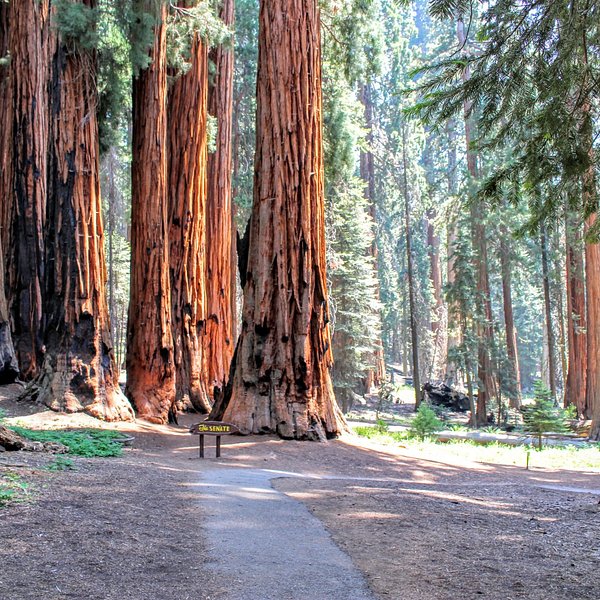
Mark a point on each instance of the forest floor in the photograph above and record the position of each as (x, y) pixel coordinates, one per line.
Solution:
(140, 526)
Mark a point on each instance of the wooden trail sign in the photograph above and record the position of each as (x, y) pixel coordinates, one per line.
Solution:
(216, 428)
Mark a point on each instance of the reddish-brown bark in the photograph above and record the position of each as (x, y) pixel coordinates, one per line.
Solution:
(575, 386)
(219, 337)
(150, 366)
(281, 381)
(592, 280)
(79, 371)
(187, 206)
(30, 42)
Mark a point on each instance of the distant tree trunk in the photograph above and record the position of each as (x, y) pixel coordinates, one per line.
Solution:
(188, 155)
(439, 324)
(367, 172)
(453, 330)
(79, 371)
(31, 46)
(509, 321)
(478, 234)
(150, 366)
(281, 380)
(414, 335)
(559, 288)
(575, 386)
(548, 312)
(219, 338)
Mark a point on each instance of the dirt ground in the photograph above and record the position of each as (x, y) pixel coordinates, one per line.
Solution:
(130, 527)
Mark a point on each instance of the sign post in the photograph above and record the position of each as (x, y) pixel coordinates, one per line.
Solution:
(216, 428)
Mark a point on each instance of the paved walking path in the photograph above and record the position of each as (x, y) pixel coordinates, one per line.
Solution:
(264, 545)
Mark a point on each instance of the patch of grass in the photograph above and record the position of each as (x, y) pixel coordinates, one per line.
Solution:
(81, 442)
(566, 457)
(13, 488)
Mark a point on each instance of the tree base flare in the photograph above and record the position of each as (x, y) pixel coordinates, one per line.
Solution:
(315, 419)
(70, 385)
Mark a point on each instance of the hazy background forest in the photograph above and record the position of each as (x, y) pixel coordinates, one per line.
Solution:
(460, 185)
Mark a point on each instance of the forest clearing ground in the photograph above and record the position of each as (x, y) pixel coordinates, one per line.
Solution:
(137, 526)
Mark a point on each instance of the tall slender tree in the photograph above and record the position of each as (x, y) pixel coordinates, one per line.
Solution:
(478, 233)
(375, 377)
(281, 380)
(575, 388)
(150, 364)
(188, 154)
(218, 340)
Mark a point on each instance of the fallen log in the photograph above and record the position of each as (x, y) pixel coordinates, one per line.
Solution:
(13, 442)
(443, 395)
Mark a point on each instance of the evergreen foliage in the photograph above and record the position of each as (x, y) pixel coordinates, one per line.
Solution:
(425, 423)
(543, 416)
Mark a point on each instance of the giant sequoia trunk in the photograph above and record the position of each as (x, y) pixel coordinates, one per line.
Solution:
(576, 318)
(187, 203)
(31, 44)
(548, 312)
(281, 381)
(219, 337)
(150, 367)
(79, 371)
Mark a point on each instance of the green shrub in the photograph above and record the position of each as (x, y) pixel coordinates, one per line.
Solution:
(425, 423)
(543, 416)
(83, 442)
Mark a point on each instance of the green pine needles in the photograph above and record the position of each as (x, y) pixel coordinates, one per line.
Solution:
(543, 416)
(426, 423)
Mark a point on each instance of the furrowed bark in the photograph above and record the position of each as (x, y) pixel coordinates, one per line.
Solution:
(187, 205)
(219, 337)
(31, 44)
(79, 371)
(281, 381)
(150, 366)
